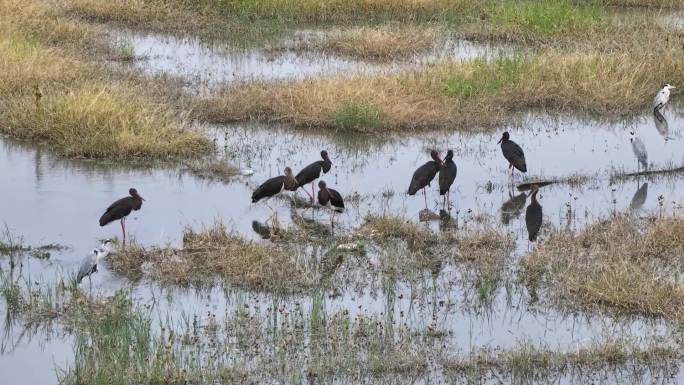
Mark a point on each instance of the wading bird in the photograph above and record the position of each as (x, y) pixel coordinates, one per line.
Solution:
(447, 175)
(120, 210)
(639, 149)
(513, 153)
(662, 97)
(533, 217)
(275, 186)
(89, 264)
(331, 199)
(312, 172)
(425, 174)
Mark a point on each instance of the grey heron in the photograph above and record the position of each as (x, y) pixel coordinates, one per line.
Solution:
(89, 264)
(662, 97)
(639, 149)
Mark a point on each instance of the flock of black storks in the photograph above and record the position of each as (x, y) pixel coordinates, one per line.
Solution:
(332, 199)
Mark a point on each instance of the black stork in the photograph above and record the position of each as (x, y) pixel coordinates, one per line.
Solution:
(513, 153)
(425, 174)
(120, 210)
(275, 186)
(447, 175)
(312, 172)
(331, 199)
(533, 217)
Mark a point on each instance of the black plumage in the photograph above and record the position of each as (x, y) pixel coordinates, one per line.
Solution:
(330, 198)
(313, 171)
(275, 186)
(425, 174)
(513, 153)
(533, 217)
(447, 173)
(120, 209)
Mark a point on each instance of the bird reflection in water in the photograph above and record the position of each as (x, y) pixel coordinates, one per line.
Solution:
(446, 221)
(262, 229)
(639, 197)
(533, 217)
(512, 207)
(661, 125)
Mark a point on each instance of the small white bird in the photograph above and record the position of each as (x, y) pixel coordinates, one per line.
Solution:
(662, 97)
(89, 264)
(639, 149)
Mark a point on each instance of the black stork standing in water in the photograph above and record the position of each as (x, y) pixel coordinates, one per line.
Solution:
(513, 153)
(533, 216)
(447, 175)
(425, 174)
(275, 186)
(312, 172)
(120, 210)
(331, 199)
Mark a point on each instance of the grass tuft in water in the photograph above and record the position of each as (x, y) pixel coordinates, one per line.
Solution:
(357, 116)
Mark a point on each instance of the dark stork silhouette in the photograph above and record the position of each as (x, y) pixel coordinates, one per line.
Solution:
(331, 199)
(533, 217)
(120, 210)
(275, 186)
(312, 172)
(425, 174)
(447, 175)
(513, 153)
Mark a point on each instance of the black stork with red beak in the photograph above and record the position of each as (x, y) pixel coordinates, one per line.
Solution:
(447, 175)
(312, 172)
(331, 199)
(120, 210)
(513, 153)
(425, 174)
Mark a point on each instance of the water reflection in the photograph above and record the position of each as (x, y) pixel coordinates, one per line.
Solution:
(639, 197)
(262, 229)
(512, 208)
(639, 149)
(533, 217)
(661, 125)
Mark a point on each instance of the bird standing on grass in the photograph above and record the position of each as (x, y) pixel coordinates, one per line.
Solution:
(425, 174)
(120, 210)
(447, 175)
(662, 97)
(275, 186)
(89, 264)
(513, 153)
(639, 149)
(312, 172)
(331, 199)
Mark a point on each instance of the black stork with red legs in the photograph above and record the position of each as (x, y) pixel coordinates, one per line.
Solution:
(120, 209)
(275, 186)
(425, 174)
(447, 175)
(312, 172)
(331, 199)
(513, 153)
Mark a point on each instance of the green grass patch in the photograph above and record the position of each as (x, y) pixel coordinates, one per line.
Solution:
(547, 17)
(358, 116)
(482, 77)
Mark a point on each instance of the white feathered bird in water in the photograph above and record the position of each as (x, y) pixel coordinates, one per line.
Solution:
(89, 264)
(662, 97)
(639, 149)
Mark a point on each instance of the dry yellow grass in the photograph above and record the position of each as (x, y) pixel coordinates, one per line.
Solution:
(377, 43)
(216, 253)
(613, 265)
(453, 94)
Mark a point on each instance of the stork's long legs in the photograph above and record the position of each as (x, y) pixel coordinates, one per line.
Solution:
(312, 193)
(123, 229)
(425, 195)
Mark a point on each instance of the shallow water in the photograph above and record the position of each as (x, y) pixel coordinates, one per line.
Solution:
(205, 65)
(59, 201)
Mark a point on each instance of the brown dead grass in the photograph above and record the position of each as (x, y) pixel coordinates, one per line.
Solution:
(623, 264)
